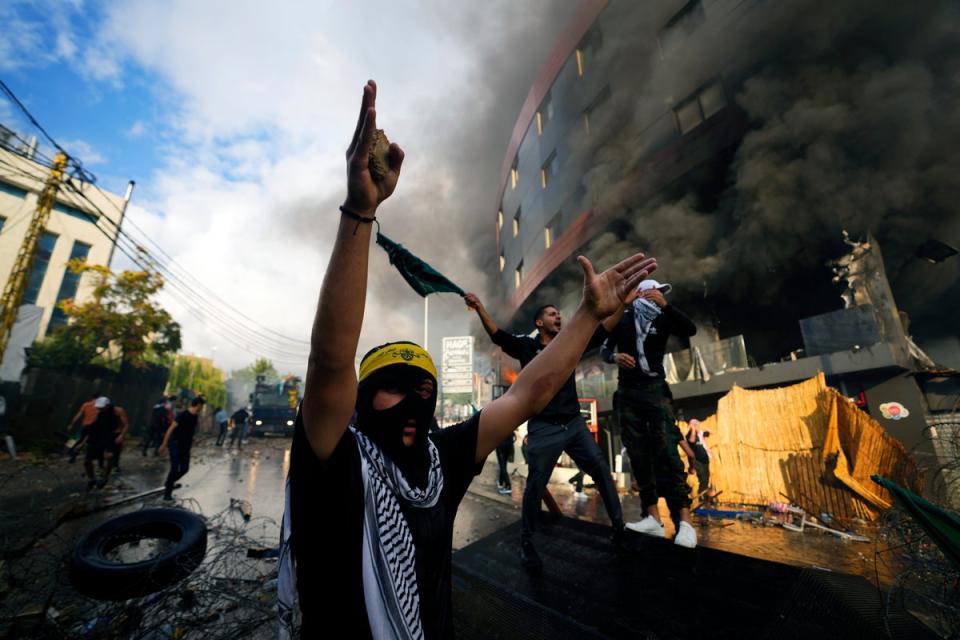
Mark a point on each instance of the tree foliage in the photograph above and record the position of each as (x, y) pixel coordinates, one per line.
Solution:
(198, 376)
(119, 325)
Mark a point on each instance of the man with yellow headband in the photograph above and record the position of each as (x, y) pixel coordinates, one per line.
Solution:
(371, 559)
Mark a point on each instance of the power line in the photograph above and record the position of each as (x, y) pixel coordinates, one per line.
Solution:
(198, 283)
(193, 301)
(16, 101)
(275, 347)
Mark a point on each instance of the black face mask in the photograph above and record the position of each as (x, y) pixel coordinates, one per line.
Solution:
(385, 427)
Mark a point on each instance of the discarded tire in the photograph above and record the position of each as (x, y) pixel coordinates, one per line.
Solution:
(94, 574)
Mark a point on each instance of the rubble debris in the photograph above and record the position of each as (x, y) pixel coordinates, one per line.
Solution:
(243, 506)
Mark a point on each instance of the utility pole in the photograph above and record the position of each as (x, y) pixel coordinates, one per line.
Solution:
(17, 282)
(123, 213)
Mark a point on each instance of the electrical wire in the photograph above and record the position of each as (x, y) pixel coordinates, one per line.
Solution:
(196, 303)
(236, 334)
(150, 263)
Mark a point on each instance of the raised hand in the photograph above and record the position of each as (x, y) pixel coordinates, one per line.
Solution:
(605, 293)
(655, 297)
(364, 194)
(472, 301)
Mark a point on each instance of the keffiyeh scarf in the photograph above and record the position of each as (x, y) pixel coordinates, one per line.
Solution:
(389, 555)
(644, 313)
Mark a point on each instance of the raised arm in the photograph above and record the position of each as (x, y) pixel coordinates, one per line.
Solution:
(330, 390)
(473, 302)
(540, 380)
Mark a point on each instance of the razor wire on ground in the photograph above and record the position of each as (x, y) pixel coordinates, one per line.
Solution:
(924, 581)
(230, 595)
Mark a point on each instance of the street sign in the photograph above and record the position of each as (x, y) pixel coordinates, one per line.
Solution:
(457, 364)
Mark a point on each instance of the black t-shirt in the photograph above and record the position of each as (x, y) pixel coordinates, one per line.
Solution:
(623, 339)
(239, 417)
(326, 524)
(186, 427)
(565, 405)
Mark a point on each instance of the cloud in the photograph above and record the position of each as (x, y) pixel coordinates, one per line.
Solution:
(83, 151)
(252, 107)
(260, 103)
(137, 129)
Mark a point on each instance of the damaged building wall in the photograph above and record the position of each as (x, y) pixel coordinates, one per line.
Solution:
(832, 118)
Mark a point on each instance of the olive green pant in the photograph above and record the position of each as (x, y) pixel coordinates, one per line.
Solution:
(651, 436)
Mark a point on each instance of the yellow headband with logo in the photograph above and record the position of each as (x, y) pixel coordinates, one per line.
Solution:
(397, 353)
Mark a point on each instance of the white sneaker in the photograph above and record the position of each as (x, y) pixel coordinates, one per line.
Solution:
(648, 526)
(686, 536)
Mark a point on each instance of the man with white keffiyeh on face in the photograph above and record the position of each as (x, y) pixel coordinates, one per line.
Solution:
(644, 406)
(372, 493)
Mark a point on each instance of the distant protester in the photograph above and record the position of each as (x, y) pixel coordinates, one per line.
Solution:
(106, 435)
(220, 417)
(179, 440)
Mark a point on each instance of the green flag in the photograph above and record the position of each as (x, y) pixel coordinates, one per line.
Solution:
(422, 277)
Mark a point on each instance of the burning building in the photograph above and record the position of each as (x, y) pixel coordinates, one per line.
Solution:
(766, 153)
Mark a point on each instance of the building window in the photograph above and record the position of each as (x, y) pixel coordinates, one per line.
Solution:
(68, 286)
(503, 261)
(588, 48)
(593, 108)
(688, 115)
(41, 260)
(518, 275)
(514, 175)
(704, 103)
(712, 99)
(549, 169)
(12, 190)
(2, 220)
(544, 114)
(551, 231)
(516, 223)
(76, 213)
(682, 24)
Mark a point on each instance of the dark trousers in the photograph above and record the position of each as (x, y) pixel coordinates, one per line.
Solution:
(703, 475)
(651, 436)
(546, 442)
(503, 453)
(153, 439)
(223, 433)
(179, 464)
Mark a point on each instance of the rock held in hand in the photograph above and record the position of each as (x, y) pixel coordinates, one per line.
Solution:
(379, 162)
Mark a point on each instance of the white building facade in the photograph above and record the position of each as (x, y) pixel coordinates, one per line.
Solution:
(71, 232)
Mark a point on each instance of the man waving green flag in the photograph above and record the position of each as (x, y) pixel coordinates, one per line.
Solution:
(421, 276)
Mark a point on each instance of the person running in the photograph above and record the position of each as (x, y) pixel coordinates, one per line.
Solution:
(373, 555)
(105, 435)
(80, 424)
(644, 406)
(120, 433)
(161, 415)
(557, 429)
(179, 440)
(220, 417)
(239, 421)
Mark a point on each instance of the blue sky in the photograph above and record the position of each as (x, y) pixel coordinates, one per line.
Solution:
(113, 123)
(232, 117)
